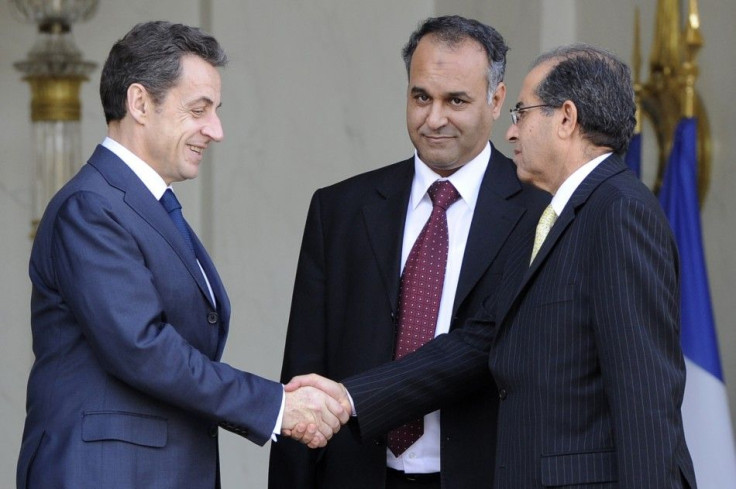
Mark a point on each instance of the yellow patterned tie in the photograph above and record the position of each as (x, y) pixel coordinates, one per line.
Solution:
(546, 221)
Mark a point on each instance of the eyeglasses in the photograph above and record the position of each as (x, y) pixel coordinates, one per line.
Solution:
(516, 111)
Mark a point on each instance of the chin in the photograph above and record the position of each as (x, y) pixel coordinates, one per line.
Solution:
(523, 176)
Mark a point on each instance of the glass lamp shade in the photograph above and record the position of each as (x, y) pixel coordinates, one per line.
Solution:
(64, 12)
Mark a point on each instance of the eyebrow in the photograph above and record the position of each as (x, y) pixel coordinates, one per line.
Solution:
(461, 94)
(206, 100)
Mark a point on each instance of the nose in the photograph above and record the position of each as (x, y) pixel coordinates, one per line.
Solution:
(512, 133)
(436, 117)
(213, 129)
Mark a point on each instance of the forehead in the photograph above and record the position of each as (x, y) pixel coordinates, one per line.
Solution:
(198, 79)
(436, 58)
(532, 81)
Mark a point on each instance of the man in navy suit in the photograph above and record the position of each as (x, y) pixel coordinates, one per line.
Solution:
(358, 236)
(129, 316)
(584, 336)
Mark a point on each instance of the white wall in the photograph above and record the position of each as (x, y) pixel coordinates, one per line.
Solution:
(314, 93)
(15, 204)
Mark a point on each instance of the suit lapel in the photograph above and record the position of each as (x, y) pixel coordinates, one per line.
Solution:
(384, 221)
(607, 168)
(140, 199)
(493, 220)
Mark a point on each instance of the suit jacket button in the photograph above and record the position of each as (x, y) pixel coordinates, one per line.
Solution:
(502, 394)
(213, 431)
(212, 317)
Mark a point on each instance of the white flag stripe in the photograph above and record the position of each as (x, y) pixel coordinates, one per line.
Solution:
(708, 429)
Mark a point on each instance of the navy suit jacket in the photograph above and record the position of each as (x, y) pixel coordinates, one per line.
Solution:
(583, 346)
(127, 389)
(343, 319)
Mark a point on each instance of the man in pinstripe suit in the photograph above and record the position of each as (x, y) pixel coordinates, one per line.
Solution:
(584, 340)
(586, 355)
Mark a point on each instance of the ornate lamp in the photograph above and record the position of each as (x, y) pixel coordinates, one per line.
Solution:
(55, 71)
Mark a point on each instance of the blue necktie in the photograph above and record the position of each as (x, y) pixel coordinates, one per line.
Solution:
(173, 207)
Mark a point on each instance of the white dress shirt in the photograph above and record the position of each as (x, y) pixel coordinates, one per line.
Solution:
(424, 456)
(571, 183)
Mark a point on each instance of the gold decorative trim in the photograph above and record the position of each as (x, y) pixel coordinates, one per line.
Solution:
(55, 98)
(670, 93)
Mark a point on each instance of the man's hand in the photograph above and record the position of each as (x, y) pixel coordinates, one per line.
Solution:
(334, 389)
(306, 433)
(311, 415)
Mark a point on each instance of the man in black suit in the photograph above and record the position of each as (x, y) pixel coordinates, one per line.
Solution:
(346, 307)
(584, 336)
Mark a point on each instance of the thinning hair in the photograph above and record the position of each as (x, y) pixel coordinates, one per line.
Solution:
(150, 54)
(454, 30)
(599, 84)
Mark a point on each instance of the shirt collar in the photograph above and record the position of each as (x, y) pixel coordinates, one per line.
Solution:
(152, 180)
(568, 187)
(466, 179)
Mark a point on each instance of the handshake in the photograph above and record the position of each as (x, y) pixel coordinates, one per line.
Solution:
(315, 409)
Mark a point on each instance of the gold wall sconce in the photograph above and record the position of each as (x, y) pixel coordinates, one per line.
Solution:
(55, 71)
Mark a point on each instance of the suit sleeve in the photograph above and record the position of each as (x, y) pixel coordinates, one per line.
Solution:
(103, 277)
(292, 464)
(636, 321)
(441, 372)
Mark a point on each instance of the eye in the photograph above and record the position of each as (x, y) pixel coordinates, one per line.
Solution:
(457, 101)
(197, 111)
(422, 98)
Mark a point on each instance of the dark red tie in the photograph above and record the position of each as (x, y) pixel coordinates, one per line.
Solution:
(420, 293)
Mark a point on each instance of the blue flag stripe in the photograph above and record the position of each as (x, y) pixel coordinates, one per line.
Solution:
(679, 199)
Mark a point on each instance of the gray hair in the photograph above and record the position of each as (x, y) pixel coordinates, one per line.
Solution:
(150, 54)
(599, 84)
(454, 30)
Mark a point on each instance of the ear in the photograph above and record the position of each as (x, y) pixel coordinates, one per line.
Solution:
(138, 102)
(498, 98)
(569, 121)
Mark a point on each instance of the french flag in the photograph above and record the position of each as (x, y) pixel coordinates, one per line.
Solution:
(705, 407)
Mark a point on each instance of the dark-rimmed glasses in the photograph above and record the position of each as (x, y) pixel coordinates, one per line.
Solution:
(516, 111)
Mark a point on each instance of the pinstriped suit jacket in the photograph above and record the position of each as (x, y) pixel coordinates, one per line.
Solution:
(584, 348)
(586, 355)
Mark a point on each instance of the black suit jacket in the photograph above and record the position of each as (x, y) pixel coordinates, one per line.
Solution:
(584, 348)
(343, 319)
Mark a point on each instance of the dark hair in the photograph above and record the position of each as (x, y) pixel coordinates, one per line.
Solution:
(150, 54)
(599, 84)
(453, 30)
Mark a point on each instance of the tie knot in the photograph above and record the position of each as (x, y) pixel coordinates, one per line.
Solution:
(443, 193)
(169, 201)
